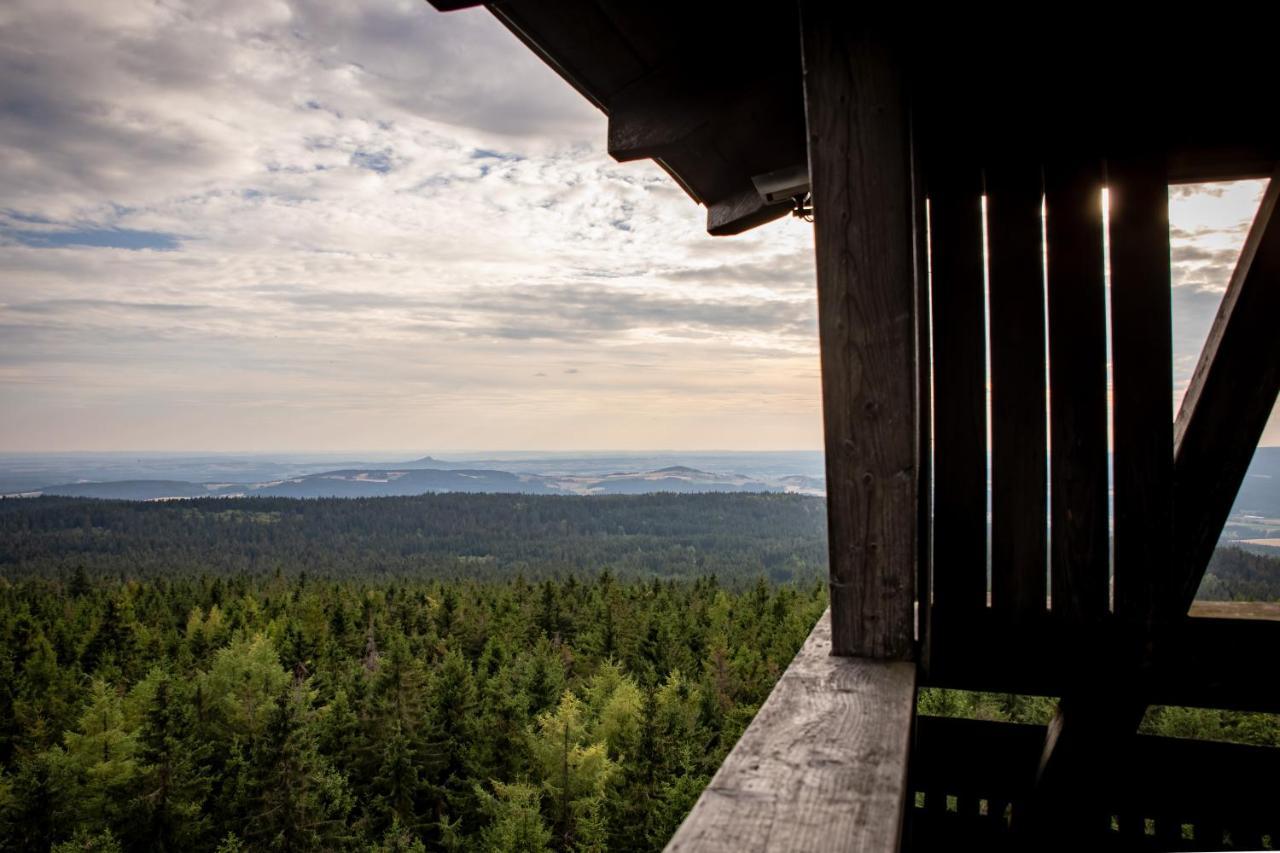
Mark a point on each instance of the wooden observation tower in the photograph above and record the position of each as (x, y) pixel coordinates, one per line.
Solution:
(955, 168)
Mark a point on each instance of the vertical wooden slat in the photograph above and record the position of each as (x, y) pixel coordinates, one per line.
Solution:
(1142, 377)
(924, 407)
(959, 397)
(1019, 506)
(1077, 392)
(860, 172)
(1091, 721)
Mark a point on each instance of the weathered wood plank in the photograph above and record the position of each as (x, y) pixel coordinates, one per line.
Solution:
(740, 212)
(662, 110)
(1231, 395)
(1077, 393)
(1178, 781)
(571, 37)
(1142, 381)
(924, 404)
(1201, 664)
(1019, 433)
(860, 165)
(823, 766)
(959, 395)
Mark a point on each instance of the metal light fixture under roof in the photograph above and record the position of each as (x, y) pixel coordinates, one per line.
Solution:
(787, 185)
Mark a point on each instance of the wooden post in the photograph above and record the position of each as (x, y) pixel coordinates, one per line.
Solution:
(1019, 569)
(1077, 392)
(1142, 376)
(860, 170)
(959, 397)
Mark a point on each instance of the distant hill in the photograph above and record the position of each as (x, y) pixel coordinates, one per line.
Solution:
(133, 490)
(395, 482)
(407, 480)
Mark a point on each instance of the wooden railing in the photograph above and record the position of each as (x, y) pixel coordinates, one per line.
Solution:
(971, 780)
(822, 767)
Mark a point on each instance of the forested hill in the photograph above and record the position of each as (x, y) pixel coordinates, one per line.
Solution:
(733, 536)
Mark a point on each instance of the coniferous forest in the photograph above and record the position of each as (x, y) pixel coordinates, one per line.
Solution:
(444, 672)
(192, 676)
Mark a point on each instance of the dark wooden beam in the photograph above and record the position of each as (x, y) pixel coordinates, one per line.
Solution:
(1173, 781)
(1142, 382)
(1201, 664)
(1231, 395)
(574, 37)
(663, 109)
(924, 405)
(1223, 162)
(959, 395)
(1093, 714)
(861, 168)
(686, 100)
(1019, 431)
(1077, 391)
(740, 212)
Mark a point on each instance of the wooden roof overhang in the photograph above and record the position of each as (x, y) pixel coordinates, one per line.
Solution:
(957, 169)
(712, 90)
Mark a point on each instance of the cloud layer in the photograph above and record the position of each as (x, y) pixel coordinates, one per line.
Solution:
(332, 225)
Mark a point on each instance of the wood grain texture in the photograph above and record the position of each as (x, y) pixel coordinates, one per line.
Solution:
(663, 109)
(1173, 781)
(823, 766)
(924, 403)
(959, 394)
(740, 212)
(860, 166)
(1142, 379)
(1231, 395)
(1019, 431)
(1201, 664)
(1077, 393)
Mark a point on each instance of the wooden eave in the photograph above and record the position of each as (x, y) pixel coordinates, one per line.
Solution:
(678, 90)
(712, 91)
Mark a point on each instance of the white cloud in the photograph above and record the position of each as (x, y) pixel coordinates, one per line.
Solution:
(391, 228)
(386, 220)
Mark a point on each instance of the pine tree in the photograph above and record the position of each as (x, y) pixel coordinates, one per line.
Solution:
(103, 754)
(574, 771)
(516, 824)
(450, 730)
(243, 684)
(397, 785)
(171, 785)
(302, 803)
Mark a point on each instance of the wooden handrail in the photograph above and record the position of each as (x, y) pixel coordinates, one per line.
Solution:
(822, 767)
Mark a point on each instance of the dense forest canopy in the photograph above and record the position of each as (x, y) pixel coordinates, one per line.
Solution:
(492, 672)
(737, 537)
(454, 672)
(252, 714)
(1234, 574)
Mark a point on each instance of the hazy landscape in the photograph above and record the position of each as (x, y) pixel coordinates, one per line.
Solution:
(163, 476)
(1254, 522)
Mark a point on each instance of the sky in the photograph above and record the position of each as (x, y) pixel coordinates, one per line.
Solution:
(326, 226)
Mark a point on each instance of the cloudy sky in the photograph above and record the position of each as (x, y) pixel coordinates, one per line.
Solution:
(335, 225)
